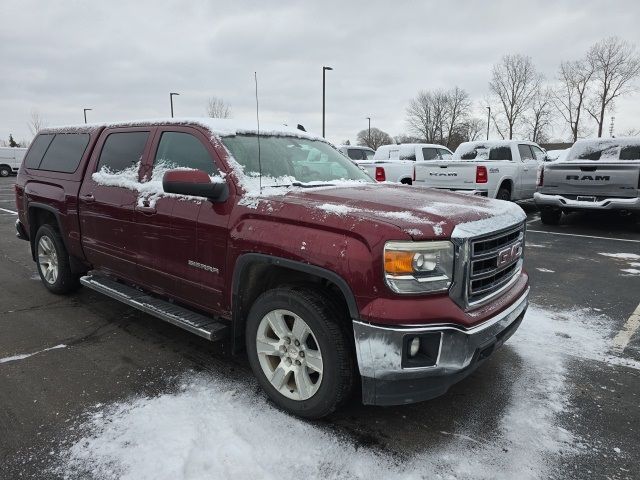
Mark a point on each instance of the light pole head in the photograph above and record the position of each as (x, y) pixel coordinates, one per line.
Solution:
(327, 68)
(174, 93)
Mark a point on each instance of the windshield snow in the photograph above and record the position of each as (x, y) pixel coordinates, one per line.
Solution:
(295, 159)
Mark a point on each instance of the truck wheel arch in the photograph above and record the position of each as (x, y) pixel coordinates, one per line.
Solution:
(249, 262)
(35, 211)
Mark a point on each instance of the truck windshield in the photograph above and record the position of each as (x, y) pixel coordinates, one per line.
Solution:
(290, 159)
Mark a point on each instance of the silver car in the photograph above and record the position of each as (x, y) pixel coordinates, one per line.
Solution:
(596, 174)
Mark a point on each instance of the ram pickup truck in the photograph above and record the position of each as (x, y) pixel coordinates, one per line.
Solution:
(357, 153)
(277, 243)
(506, 170)
(10, 160)
(395, 163)
(600, 174)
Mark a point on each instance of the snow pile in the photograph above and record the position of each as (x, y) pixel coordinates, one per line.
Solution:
(214, 428)
(149, 190)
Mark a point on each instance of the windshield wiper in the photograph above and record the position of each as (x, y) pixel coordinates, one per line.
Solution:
(312, 185)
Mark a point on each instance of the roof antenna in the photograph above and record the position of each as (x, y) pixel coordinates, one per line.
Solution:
(255, 76)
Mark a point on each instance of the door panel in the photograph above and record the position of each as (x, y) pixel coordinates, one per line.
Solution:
(168, 244)
(105, 209)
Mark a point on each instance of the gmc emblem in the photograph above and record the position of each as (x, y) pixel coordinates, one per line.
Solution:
(510, 254)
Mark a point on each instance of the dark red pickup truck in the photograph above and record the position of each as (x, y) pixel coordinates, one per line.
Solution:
(281, 244)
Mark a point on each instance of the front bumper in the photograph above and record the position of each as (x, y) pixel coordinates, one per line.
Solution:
(389, 379)
(558, 201)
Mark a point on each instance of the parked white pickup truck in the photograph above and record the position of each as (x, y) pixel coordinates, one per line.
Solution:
(357, 153)
(505, 169)
(10, 160)
(394, 163)
(600, 174)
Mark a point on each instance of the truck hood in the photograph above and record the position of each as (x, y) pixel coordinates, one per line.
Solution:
(422, 213)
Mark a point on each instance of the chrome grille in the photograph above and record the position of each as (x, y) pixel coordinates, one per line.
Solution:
(495, 260)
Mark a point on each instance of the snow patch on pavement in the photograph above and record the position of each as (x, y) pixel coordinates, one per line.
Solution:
(545, 270)
(215, 428)
(622, 256)
(27, 355)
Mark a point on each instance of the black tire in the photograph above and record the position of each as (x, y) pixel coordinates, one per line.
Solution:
(406, 181)
(550, 216)
(5, 171)
(504, 194)
(66, 281)
(328, 325)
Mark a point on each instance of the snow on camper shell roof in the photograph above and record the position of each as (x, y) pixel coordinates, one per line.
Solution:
(610, 148)
(217, 126)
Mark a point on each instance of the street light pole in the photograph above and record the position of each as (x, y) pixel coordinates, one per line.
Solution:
(488, 121)
(369, 134)
(85, 113)
(171, 101)
(324, 69)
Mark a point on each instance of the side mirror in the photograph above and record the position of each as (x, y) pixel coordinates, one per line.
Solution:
(195, 183)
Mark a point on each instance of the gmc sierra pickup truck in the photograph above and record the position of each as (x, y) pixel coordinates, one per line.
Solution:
(600, 174)
(504, 169)
(276, 242)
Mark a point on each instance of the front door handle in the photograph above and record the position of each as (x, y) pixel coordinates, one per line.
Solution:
(146, 209)
(89, 198)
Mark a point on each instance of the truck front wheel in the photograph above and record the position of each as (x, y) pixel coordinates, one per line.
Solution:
(550, 216)
(53, 262)
(299, 351)
(5, 170)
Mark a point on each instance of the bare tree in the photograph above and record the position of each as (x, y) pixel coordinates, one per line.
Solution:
(377, 138)
(217, 108)
(36, 122)
(631, 132)
(615, 65)
(514, 82)
(436, 116)
(540, 115)
(473, 129)
(458, 106)
(569, 98)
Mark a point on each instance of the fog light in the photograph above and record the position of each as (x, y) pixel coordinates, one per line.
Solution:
(414, 346)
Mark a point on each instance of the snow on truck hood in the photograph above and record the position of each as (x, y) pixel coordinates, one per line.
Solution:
(422, 213)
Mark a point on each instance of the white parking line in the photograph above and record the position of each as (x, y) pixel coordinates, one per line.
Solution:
(585, 236)
(8, 211)
(623, 337)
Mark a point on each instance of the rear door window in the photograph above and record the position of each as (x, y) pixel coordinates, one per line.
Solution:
(630, 152)
(430, 153)
(525, 152)
(65, 152)
(183, 150)
(369, 154)
(37, 150)
(122, 150)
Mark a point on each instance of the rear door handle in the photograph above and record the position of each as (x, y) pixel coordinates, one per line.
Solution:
(89, 198)
(146, 209)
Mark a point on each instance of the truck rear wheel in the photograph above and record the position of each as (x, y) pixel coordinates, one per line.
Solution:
(5, 170)
(299, 352)
(550, 216)
(53, 262)
(504, 194)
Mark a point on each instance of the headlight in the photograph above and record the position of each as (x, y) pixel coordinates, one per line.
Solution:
(418, 267)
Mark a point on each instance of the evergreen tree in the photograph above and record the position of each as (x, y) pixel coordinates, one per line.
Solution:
(12, 142)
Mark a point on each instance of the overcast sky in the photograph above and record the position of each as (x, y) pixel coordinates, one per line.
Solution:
(123, 58)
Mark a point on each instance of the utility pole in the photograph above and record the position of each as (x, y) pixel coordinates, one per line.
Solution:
(488, 121)
(171, 101)
(85, 113)
(324, 69)
(369, 134)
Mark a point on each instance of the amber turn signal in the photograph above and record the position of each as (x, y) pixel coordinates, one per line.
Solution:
(398, 262)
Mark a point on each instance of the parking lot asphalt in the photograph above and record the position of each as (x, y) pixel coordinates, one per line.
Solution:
(560, 400)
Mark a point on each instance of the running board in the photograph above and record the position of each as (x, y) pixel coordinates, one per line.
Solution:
(181, 317)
